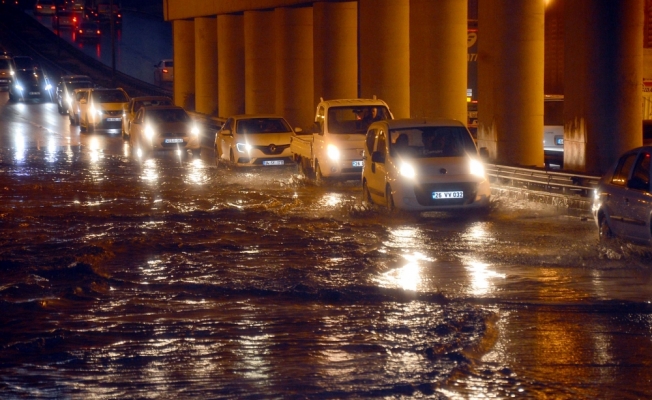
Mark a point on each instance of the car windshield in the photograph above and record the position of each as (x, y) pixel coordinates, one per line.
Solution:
(151, 102)
(23, 62)
(355, 119)
(25, 76)
(167, 115)
(431, 141)
(109, 96)
(262, 125)
(4, 63)
(78, 84)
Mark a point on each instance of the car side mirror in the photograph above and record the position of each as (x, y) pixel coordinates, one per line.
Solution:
(227, 132)
(298, 130)
(484, 153)
(378, 157)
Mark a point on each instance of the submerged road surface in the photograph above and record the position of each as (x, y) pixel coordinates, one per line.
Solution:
(166, 277)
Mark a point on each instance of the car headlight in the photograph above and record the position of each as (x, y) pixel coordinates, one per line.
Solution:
(407, 170)
(69, 100)
(98, 112)
(333, 152)
(243, 147)
(19, 86)
(149, 132)
(476, 168)
(48, 87)
(195, 130)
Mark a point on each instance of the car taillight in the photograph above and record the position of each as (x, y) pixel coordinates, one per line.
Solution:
(98, 32)
(165, 71)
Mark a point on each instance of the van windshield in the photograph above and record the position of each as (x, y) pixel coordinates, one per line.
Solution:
(431, 141)
(355, 119)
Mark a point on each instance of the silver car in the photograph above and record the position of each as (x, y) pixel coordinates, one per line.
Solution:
(622, 206)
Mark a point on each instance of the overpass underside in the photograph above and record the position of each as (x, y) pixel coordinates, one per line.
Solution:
(281, 56)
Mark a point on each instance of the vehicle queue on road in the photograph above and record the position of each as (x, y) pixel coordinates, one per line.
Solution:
(396, 162)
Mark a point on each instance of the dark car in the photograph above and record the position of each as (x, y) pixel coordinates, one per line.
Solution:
(88, 31)
(29, 84)
(65, 19)
(66, 86)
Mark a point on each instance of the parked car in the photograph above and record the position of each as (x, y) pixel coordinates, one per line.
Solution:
(88, 31)
(164, 128)
(254, 140)
(29, 85)
(103, 110)
(44, 7)
(135, 103)
(423, 165)
(622, 205)
(164, 72)
(6, 71)
(67, 84)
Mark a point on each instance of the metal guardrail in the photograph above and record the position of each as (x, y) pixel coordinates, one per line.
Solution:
(563, 183)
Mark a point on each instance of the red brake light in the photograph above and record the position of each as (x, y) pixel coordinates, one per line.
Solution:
(165, 70)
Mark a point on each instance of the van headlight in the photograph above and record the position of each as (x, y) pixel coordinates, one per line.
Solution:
(407, 170)
(333, 152)
(149, 132)
(243, 147)
(476, 168)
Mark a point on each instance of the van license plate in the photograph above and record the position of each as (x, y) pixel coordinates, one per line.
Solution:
(173, 140)
(273, 162)
(113, 119)
(357, 163)
(458, 194)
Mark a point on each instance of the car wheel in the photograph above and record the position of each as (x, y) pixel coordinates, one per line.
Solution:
(12, 98)
(604, 232)
(232, 157)
(319, 177)
(390, 199)
(82, 127)
(59, 108)
(196, 153)
(366, 196)
(218, 156)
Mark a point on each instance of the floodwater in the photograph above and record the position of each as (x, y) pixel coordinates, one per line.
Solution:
(167, 277)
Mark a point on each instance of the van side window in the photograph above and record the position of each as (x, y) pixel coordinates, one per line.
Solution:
(381, 145)
(369, 141)
(640, 179)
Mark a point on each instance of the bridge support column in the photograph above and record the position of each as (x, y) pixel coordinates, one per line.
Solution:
(438, 59)
(384, 53)
(603, 82)
(206, 65)
(183, 33)
(230, 65)
(335, 52)
(294, 65)
(510, 80)
(260, 62)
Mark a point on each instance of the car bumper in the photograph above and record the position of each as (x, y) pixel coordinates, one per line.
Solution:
(411, 196)
(185, 142)
(345, 169)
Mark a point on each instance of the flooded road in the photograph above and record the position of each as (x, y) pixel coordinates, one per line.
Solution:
(167, 277)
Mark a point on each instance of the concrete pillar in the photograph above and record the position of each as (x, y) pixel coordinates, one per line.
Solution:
(384, 52)
(511, 40)
(603, 82)
(260, 62)
(206, 65)
(294, 66)
(335, 50)
(183, 32)
(438, 58)
(230, 65)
